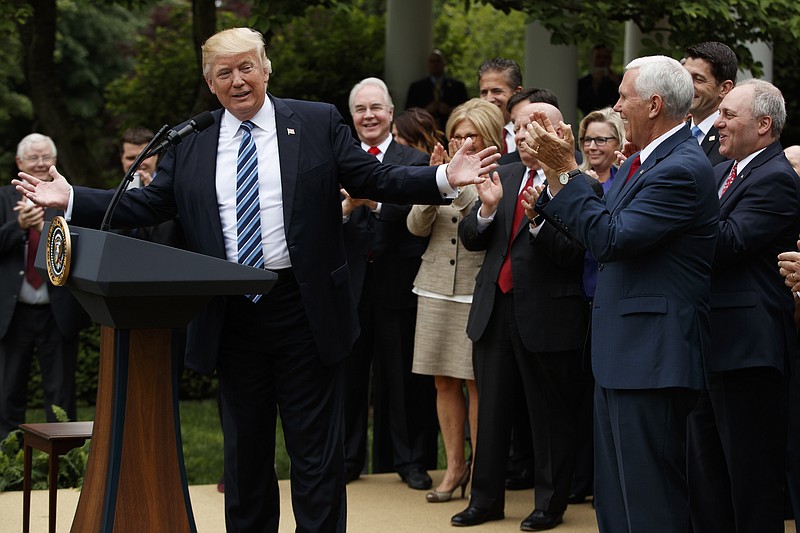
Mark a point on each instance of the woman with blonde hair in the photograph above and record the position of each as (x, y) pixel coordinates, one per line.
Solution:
(444, 285)
(601, 133)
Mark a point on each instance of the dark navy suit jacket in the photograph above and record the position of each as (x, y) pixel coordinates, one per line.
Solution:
(653, 237)
(317, 154)
(751, 308)
(548, 297)
(395, 251)
(710, 146)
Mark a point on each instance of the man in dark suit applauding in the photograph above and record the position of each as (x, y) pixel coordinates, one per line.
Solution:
(283, 350)
(383, 258)
(737, 464)
(37, 319)
(713, 68)
(528, 323)
(653, 236)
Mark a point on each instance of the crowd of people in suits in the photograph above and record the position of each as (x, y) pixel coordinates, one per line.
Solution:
(603, 317)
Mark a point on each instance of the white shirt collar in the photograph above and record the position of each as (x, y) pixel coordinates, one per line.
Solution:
(264, 119)
(382, 146)
(650, 148)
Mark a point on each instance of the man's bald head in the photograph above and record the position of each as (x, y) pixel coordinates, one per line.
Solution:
(521, 115)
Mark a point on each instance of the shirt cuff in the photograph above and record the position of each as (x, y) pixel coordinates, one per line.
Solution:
(444, 185)
(68, 210)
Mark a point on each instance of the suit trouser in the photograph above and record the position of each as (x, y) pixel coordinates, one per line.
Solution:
(405, 422)
(793, 441)
(268, 361)
(507, 374)
(33, 332)
(640, 456)
(736, 453)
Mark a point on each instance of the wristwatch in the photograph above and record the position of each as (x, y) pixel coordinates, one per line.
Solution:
(564, 177)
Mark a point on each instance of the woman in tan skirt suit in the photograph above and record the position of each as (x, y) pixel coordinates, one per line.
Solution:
(444, 285)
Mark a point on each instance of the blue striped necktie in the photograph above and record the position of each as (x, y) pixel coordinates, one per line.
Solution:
(248, 208)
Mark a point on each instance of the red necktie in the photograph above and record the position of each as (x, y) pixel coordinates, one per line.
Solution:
(505, 146)
(374, 150)
(504, 280)
(634, 167)
(31, 275)
(729, 180)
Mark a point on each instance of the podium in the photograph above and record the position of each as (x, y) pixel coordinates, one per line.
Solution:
(138, 291)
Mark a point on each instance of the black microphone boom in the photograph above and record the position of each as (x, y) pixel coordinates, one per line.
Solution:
(175, 137)
(198, 123)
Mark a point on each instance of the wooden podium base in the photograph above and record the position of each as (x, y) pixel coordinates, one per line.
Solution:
(135, 478)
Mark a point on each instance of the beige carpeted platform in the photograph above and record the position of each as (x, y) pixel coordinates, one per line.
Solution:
(376, 504)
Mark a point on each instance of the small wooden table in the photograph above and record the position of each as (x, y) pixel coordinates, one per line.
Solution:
(55, 439)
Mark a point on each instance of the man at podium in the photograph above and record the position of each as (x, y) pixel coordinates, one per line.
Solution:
(261, 187)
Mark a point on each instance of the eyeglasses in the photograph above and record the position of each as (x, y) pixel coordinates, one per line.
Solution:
(46, 159)
(472, 136)
(374, 108)
(599, 141)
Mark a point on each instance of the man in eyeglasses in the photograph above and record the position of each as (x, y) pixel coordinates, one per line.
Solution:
(384, 257)
(35, 317)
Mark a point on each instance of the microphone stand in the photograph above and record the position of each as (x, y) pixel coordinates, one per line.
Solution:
(128, 177)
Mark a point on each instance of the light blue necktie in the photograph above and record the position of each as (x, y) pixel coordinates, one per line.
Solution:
(697, 132)
(248, 208)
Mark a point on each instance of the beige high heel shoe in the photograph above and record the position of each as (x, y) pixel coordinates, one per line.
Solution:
(436, 496)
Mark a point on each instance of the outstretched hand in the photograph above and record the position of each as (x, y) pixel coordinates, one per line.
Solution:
(467, 169)
(53, 193)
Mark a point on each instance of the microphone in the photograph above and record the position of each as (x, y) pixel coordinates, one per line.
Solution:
(175, 137)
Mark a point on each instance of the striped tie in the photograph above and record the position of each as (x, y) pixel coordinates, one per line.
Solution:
(248, 208)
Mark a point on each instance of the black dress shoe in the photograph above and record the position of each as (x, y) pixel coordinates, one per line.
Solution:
(520, 480)
(417, 478)
(472, 516)
(540, 521)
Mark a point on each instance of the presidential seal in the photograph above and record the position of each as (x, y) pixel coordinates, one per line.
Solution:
(59, 251)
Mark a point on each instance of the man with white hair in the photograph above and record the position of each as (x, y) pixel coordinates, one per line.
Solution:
(384, 257)
(36, 318)
(653, 236)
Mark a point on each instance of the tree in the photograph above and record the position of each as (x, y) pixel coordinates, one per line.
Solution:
(733, 22)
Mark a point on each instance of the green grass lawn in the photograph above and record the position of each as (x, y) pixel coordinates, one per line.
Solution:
(202, 441)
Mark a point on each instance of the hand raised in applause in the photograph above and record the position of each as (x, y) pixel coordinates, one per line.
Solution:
(29, 215)
(529, 198)
(789, 265)
(490, 191)
(628, 150)
(544, 143)
(53, 193)
(439, 155)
